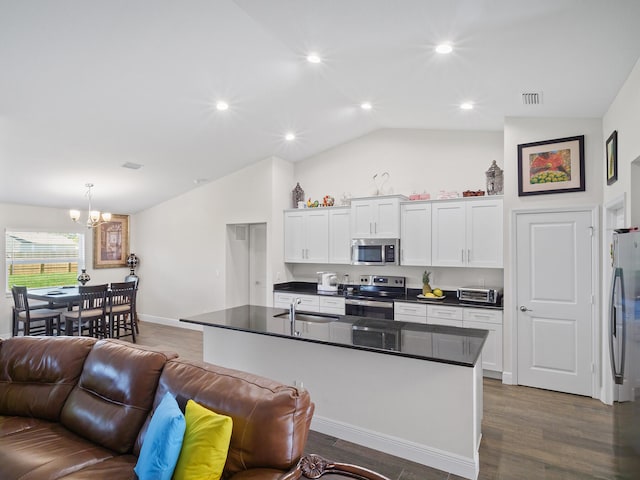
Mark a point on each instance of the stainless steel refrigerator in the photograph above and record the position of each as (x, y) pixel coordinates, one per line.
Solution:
(624, 343)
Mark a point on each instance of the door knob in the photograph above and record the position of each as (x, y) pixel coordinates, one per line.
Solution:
(525, 309)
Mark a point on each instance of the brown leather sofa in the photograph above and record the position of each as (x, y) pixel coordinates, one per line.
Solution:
(78, 408)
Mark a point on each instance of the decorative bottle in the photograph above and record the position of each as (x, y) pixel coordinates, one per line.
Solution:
(84, 276)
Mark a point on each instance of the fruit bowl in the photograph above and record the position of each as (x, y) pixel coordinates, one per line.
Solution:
(422, 297)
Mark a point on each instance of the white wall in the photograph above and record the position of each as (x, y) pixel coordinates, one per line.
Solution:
(16, 217)
(417, 161)
(624, 116)
(518, 130)
(182, 242)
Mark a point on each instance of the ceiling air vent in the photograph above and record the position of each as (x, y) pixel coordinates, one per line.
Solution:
(532, 98)
(132, 166)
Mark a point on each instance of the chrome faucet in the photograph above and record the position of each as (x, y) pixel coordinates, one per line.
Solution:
(292, 317)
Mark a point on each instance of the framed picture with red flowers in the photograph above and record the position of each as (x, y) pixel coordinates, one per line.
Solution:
(551, 166)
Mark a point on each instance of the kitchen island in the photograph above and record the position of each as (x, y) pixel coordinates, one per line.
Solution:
(418, 397)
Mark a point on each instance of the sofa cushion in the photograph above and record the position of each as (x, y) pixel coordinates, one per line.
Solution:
(11, 424)
(270, 420)
(206, 443)
(114, 394)
(38, 373)
(162, 445)
(46, 451)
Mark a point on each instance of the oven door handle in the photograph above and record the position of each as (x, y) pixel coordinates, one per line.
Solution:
(369, 303)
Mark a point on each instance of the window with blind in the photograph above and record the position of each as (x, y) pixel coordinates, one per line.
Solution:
(43, 259)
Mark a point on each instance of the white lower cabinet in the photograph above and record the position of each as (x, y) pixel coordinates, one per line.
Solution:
(308, 303)
(409, 312)
(441, 315)
(333, 305)
(488, 320)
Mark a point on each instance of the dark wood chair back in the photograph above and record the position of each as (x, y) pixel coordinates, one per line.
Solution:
(315, 466)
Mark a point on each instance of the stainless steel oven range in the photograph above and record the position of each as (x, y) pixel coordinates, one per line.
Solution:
(374, 295)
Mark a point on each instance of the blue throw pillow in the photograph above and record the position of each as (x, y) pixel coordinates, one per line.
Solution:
(162, 442)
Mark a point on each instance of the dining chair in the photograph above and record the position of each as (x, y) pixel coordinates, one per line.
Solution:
(134, 278)
(37, 321)
(91, 313)
(122, 296)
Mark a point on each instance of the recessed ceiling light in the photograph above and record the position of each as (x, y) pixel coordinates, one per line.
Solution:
(313, 58)
(444, 48)
(221, 105)
(290, 136)
(366, 106)
(466, 106)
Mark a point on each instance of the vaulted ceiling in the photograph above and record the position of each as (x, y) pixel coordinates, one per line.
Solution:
(88, 85)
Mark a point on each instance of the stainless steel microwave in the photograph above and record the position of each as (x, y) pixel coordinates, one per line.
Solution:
(375, 251)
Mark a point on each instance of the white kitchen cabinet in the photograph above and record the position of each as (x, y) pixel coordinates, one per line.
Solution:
(308, 303)
(332, 305)
(415, 235)
(409, 312)
(490, 320)
(467, 233)
(442, 315)
(306, 235)
(340, 235)
(376, 217)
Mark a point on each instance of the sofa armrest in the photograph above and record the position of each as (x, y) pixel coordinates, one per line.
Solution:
(314, 466)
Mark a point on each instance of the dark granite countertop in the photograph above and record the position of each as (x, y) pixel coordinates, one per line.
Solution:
(450, 300)
(437, 343)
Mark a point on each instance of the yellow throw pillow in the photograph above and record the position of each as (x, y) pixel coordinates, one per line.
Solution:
(205, 445)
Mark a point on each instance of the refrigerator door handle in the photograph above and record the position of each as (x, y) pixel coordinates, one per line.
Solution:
(617, 281)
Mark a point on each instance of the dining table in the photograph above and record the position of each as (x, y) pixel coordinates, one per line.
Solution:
(56, 296)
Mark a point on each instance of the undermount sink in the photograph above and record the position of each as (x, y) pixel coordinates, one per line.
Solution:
(310, 317)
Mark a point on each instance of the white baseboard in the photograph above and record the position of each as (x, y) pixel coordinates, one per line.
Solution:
(507, 378)
(4, 336)
(171, 322)
(415, 452)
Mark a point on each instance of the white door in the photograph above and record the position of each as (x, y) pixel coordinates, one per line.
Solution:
(258, 264)
(554, 258)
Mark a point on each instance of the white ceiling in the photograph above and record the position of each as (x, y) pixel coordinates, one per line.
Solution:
(87, 85)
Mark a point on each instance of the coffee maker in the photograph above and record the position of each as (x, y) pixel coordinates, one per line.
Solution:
(327, 282)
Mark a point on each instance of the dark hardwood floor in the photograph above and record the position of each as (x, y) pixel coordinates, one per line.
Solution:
(528, 433)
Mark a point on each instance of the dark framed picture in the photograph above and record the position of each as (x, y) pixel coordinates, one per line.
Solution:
(551, 166)
(111, 243)
(612, 158)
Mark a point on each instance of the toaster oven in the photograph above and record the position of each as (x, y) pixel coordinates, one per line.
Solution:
(488, 296)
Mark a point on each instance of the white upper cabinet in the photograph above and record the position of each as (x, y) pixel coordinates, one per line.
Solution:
(484, 233)
(376, 217)
(467, 233)
(339, 235)
(415, 237)
(306, 236)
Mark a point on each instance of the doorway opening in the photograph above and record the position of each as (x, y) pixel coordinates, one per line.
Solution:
(246, 264)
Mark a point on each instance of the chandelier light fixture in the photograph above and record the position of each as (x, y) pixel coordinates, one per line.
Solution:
(95, 218)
